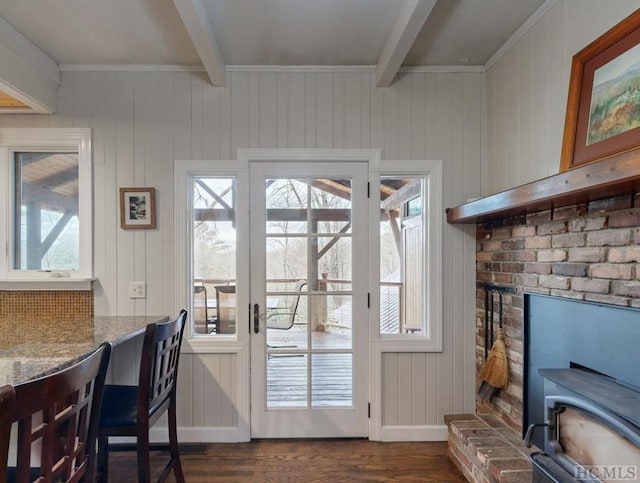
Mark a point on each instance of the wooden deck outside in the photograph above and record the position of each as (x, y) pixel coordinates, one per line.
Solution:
(287, 369)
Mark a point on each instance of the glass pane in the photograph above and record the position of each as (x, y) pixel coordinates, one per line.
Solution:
(335, 259)
(214, 256)
(331, 203)
(46, 216)
(286, 204)
(335, 226)
(287, 322)
(331, 380)
(331, 321)
(287, 380)
(214, 193)
(286, 193)
(286, 259)
(282, 226)
(390, 307)
(402, 246)
(287, 286)
(331, 193)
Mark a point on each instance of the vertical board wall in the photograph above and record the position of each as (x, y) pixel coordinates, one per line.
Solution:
(143, 121)
(527, 90)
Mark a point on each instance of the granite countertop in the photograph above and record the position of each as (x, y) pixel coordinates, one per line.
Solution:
(33, 348)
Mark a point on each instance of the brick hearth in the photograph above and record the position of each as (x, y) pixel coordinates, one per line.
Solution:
(486, 450)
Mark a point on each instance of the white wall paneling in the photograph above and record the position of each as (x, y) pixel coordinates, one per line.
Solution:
(527, 90)
(142, 121)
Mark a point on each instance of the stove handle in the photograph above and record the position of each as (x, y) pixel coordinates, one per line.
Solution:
(529, 434)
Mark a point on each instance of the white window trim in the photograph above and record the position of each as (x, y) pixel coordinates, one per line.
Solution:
(184, 173)
(76, 139)
(431, 339)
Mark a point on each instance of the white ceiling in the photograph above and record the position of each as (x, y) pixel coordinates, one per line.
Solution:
(42, 37)
(263, 32)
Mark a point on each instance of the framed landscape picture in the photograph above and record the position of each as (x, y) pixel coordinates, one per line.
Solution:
(137, 208)
(603, 107)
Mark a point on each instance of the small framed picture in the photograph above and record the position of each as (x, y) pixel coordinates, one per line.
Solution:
(137, 208)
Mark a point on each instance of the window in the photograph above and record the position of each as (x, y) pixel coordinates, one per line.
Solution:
(47, 211)
(214, 255)
(410, 267)
(211, 228)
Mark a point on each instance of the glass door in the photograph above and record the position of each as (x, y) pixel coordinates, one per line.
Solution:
(308, 311)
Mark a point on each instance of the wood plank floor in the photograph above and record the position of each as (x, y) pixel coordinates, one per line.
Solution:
(341, 460)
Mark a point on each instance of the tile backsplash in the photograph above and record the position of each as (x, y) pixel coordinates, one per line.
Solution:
(49, 304)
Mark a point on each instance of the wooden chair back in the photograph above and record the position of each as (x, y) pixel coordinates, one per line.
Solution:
(159, 367)
(226, 309)
(200, 311)
(61, 411)
(7, 408)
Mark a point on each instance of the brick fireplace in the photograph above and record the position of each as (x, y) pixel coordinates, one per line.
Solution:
(586, 251)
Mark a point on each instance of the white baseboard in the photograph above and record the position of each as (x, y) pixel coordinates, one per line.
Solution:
(198, 435)
(234, 435)
(414, 433)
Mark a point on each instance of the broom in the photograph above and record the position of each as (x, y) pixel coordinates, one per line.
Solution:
(495, 373)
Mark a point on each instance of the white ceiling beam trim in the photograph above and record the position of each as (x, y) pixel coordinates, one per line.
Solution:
(201, 32)
(300, 68)
(411, 19)
(130, 68)
(437, 69)
(429, 69)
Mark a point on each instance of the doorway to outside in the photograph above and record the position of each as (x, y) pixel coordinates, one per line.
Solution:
(290, 233)
(309, 320)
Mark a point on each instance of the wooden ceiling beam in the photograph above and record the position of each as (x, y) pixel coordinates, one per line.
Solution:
(411, 19)
(195, 19)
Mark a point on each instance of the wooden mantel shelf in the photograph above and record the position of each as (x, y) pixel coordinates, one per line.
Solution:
(603, 179)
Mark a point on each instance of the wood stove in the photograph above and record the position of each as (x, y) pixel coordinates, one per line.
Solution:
(582, 390)
(592, 428)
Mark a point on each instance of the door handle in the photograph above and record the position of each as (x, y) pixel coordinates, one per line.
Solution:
(256, 318)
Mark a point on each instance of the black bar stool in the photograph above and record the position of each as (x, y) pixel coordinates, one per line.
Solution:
(60, 411)
(7, 408)
(132, 410)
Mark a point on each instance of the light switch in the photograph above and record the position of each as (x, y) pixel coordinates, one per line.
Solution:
(137, 290)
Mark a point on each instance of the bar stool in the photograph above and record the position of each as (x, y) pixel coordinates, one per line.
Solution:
(7, 408)
(60, 411)
(132, 410)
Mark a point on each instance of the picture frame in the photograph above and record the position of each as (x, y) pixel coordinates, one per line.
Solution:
(137, 208)
(604, 94)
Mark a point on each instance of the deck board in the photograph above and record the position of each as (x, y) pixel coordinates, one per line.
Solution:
(287, 370)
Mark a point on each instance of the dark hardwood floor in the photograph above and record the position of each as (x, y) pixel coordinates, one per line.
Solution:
(303, 461)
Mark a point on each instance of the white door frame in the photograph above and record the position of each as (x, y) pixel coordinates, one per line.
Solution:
(316, 421)
(184, 171)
